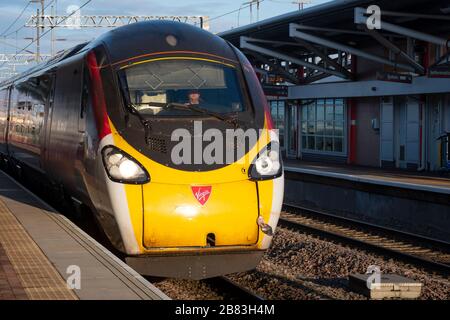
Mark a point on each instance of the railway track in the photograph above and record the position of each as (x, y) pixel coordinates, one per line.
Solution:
(231, 290)
(423, 252)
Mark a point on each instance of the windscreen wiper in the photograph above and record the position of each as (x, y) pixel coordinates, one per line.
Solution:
(191, 107)
(145, 122)
(131, 108)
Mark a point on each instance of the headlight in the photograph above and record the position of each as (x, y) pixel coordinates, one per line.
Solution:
(267, 164)
(123, 168)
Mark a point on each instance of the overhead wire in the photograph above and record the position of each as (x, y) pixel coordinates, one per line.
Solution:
(23, 26)
(231, 12)
(14, 22)
(46, 32)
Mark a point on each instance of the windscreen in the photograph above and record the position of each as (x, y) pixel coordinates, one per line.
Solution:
(151, 87)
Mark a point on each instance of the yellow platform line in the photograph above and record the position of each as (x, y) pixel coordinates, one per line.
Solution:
(40, 280)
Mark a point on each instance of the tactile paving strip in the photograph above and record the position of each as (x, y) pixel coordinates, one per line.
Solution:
(39, 279)
(10, 286)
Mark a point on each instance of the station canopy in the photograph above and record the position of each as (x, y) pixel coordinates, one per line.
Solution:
(324, 37)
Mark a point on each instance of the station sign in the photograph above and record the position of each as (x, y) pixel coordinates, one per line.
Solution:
(274, 90)
(394, 77)
(439, 71)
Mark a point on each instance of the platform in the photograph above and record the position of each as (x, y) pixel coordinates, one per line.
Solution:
(40, 249)
(392, 178)
(413, 202)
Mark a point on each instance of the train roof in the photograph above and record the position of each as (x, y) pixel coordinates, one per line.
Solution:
(47, 64)
(150, 37)
(142, 38)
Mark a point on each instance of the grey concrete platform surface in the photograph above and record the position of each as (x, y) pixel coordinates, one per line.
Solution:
(381, 177)
(44, 249)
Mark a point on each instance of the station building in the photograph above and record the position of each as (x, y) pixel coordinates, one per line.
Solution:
(346, 85)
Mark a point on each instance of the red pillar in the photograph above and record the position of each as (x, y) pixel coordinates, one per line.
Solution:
(421, 135)
(301, 73)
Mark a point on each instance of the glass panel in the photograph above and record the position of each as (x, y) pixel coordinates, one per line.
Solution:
(280, 123)
(274, 112)
(339, 128)
(153, 85)
(311, 143)
(311, 127)
(339, 102)
(338, 145)
(281, 114)
(311, 112)
(339, 113)
(304, 112)
(329, 128)
(329, 112)
(304, 127)
(319, 143)
(320, 112)
(324, 130)
(320, 129)
(328, 144)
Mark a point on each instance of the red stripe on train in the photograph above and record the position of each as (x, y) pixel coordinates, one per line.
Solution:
(98, 97)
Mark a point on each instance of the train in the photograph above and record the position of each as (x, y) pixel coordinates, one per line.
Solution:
(102, 122)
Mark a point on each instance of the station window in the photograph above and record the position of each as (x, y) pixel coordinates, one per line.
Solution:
(323, 124)
(277, 110)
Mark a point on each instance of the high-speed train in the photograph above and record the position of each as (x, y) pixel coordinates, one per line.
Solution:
(103, 123)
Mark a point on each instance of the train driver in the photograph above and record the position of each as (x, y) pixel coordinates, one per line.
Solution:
(194, 97)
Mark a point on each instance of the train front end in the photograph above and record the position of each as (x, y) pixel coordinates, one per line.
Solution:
(188, 159)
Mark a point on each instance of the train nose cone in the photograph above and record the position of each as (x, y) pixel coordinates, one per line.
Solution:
(227, 210)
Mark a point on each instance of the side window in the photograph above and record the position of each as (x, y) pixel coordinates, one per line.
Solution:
(3, 114)
(324, 126)
(20, 107)
(42, 96)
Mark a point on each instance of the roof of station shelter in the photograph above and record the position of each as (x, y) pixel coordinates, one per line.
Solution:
(324, 39)
(340, 14)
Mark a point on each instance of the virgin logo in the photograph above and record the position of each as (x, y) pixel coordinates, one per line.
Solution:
(201, 193)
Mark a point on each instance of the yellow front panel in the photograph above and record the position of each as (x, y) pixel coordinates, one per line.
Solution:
(265, 189)
(135, 208)
(173, 217)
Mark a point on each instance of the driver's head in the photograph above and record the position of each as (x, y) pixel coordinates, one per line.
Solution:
(194, 96)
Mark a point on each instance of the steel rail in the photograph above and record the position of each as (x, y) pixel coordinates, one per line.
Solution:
(408, 247)
(231, 290)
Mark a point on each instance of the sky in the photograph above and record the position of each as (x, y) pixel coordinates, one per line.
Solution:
(11, 9)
